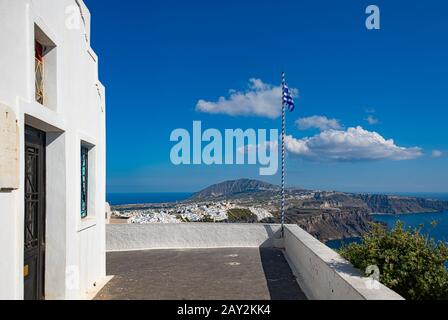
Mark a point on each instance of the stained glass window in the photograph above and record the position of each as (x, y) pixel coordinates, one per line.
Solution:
(84, 180)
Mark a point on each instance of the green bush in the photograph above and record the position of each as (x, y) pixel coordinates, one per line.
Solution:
(241, 215)
(411, 264)
(206, 218)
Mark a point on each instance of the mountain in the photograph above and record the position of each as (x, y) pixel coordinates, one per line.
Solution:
(259, 192)
(395, 205)
(234, 188)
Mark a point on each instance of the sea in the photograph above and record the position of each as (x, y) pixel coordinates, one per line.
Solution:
(414, 220)
(116, 199)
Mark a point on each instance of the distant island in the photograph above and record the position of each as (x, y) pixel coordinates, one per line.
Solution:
(326, 215)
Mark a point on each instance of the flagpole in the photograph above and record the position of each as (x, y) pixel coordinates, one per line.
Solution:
(283, 164)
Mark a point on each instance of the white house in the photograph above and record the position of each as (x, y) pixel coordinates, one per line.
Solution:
(52, 152)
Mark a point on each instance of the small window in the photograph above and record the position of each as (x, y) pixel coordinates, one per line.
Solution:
(84, 180)
(45, 69)
(39, 71)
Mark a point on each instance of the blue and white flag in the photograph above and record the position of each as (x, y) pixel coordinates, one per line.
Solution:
(288, 101)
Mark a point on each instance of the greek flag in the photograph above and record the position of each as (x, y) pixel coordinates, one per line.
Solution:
(288, 101)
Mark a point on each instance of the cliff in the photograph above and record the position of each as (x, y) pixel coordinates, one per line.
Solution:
(324, 214)
(396, 205)
(329, 224)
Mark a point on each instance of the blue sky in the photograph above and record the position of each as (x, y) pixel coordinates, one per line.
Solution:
(158, 59)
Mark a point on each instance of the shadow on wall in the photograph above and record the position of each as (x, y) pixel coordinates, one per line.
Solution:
(281, 282)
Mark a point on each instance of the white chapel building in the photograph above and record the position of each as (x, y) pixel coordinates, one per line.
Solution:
(52, 152)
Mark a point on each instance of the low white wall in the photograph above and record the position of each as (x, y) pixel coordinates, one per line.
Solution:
(321, 272)
(189, 235)
(325, 275)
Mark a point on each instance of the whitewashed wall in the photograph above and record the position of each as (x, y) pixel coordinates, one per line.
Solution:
(189, 236)
(75, 248)
(324, 275)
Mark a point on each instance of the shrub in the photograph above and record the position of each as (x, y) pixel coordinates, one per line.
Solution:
(241, 215)
(206, 218)
(410, 263)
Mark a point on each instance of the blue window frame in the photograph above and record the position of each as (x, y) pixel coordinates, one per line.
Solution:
(84, 180)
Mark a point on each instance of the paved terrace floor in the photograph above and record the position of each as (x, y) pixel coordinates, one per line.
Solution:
(200, 274)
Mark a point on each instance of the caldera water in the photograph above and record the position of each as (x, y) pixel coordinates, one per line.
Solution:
(439, 232)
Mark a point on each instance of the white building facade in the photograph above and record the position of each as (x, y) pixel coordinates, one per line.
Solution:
(52, 152)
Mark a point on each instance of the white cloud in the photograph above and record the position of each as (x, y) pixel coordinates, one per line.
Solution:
(318, 122)
(436, 153)
(353, 144)
(371, 120)
(263, 147)
(260, 99)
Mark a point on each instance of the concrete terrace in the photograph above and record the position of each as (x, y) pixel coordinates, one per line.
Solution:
(207, 261)
(201, 274)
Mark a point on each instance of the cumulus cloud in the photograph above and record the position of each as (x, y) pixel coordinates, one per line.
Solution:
(263, 147)
(371, 120)
(353, 144)
(260, 99)
(436, 153)
(319, 122)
